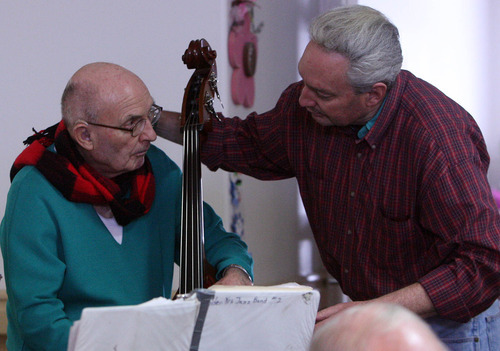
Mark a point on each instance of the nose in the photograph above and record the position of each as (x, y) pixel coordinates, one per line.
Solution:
(148, 133)
(305, 98)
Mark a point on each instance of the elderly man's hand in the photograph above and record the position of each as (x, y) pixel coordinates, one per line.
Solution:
(234, 276)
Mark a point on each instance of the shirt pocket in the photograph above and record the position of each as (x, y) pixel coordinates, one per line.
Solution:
(395, 239)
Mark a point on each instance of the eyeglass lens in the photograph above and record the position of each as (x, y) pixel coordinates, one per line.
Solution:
(153, 116)
(139, 127)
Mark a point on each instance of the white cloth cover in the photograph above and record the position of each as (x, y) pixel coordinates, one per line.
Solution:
(239, 318)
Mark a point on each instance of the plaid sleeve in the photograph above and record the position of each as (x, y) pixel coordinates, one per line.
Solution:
(256, 145)
(460, 210)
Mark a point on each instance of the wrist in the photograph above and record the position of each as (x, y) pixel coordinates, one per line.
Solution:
(240, 268)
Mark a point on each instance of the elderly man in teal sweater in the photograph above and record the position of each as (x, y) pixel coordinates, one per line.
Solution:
(93, 213)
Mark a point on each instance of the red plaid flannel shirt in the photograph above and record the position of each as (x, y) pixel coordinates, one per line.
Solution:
(410, 202)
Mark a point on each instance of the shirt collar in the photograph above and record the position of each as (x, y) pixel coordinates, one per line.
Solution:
(366, 128)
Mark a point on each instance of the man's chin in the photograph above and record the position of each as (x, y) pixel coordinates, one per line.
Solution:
(322, 120)
(138, 162)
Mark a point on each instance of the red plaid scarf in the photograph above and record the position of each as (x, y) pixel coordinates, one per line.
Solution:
(129, 195)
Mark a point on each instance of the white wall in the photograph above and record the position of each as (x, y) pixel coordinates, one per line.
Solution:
(492, 52)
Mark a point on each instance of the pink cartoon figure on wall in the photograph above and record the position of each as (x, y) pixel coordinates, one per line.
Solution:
(242, 51)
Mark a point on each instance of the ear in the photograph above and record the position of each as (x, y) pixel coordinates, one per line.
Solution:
(82, 137)
(376, 95)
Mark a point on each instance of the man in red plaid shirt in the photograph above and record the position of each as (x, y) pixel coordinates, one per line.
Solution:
(392, 174)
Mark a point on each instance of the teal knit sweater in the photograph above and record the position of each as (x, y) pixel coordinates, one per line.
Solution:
(60, 258)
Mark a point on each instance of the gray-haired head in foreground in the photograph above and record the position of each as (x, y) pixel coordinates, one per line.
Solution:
(366, 38)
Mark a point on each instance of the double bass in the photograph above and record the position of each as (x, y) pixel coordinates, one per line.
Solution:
(197, 113)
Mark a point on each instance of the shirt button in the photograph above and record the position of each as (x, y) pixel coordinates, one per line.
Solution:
(374, 146)
(346, 271)
(359, 154)
(353, 193)
(349, 232)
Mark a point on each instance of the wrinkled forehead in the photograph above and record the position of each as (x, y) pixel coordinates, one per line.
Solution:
(112, 83)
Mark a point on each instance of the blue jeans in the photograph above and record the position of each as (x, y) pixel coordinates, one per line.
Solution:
(481, 333)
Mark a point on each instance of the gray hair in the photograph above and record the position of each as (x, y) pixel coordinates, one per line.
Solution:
(80, 101)
(366, 38)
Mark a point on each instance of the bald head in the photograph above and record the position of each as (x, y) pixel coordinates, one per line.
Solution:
(101, 106)
(376, 327)
(95, 88)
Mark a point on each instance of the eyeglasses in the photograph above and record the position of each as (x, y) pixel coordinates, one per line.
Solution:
(153, 117)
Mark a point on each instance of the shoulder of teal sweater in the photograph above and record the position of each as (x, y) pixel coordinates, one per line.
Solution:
(30, 184)
(28, 176)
